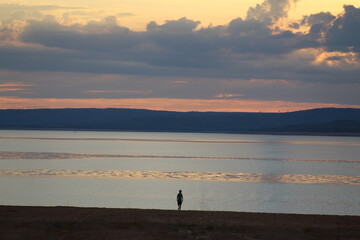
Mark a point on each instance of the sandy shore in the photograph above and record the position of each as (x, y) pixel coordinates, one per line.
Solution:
(105, 223)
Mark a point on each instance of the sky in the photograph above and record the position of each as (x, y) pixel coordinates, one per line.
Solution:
(203, 55)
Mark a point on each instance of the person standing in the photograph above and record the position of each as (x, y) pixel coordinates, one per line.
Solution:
(180, 199)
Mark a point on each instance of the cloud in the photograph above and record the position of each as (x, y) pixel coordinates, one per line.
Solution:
(170, 44)
(10, 89)
(17, 7)
(181, 26)
(169, 104)
(254, 36)
(14, 88)
(67, 85)
(249, 63)
(10, 12)
(344, 34)
(228, 95)
(269, 11)
(174, 43)
(118, 91)
(318, 18)
(125, 14)
(244, 49)
(104, 35)
(15, 84)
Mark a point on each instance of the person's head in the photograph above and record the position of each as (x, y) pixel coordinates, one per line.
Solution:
(180, 191)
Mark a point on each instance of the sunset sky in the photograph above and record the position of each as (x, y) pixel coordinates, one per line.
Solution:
(198, 55)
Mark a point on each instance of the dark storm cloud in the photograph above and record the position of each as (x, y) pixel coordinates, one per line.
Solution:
(179, 40)
(105, 35)
(30, 58)
(344, 34)
(337, 33)
(181, 26)
(245, 48)
(174, 43)
(318, 18)
(254, 36)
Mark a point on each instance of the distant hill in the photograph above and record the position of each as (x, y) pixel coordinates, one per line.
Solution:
(325, 120)
(338, 126)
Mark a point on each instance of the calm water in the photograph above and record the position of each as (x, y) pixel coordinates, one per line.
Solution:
(231, 172)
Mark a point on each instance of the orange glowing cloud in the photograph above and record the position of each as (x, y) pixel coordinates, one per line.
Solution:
(336, 59)
(10, 89)
(228, 95)
(117, 91)
(15, 84)
(182, 105)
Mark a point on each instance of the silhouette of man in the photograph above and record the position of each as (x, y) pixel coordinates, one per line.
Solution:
(180, 199)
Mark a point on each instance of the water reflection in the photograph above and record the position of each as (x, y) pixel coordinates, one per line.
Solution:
(266, 173)
(179, 140)
(191, 176)
(10, 155)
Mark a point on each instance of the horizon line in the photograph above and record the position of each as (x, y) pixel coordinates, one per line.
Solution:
(165, 110)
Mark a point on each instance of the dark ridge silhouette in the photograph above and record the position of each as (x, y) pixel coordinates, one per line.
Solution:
(338, 126)
(325, 120)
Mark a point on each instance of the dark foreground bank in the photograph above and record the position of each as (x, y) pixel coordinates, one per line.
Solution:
(96, 223)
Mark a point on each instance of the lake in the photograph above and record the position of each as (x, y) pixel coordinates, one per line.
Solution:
(217, 172)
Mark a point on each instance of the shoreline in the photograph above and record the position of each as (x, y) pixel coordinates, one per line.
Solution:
(320, 134)
(25, 222)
